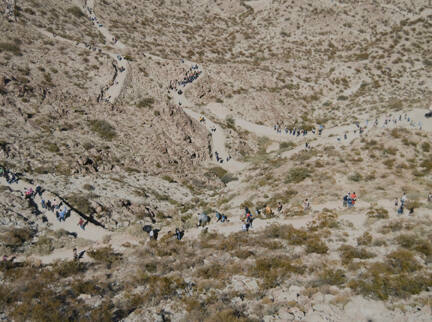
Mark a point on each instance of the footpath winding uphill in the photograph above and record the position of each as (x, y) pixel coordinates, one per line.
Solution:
(213, 113)
(114, 90)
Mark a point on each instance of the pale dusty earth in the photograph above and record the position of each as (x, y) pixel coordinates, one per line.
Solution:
(358, 308)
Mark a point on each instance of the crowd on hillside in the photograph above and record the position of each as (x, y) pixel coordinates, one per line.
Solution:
(279, 128)
(30, 195)
(189, 76)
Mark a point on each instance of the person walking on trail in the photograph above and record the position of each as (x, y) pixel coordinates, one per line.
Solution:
(279, 207)
(81, 223)
(179, 234)
(353, 198)
(62, 214)
(306, 204)
(75, 254)
(245, 227)
(396, 202)
(249, 219)
(400, 210)
(403, 199)
(268, 211)
(429, 198)
(345, 200)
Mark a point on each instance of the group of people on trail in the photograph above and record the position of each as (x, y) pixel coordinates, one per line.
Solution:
(403, 201)
(349, 199)
(154, 232)
(219, 159)
(9, 175)
(296, 131)
(386, 123)
(189, 76)
(30, 194)
(247, 219)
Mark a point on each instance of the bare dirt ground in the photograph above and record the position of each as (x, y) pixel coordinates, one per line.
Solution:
(154, 162)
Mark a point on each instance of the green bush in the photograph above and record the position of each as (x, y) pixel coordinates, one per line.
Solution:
(315, 245)
(10, 47)
(356, 177)
(76, 11)
(296, 175)
(103, 129)
(413, 242)
(348, 253)
(147, 102)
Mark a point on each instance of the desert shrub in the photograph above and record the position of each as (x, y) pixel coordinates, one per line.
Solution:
(88, 187)
(365, 239)
(69, 268)
(76, 11)
(425, 146)
(286, 145)
(243, 253)
(217, 171)
(214, 270)
(103, 129)
(414, 242)
(378, 282)
(52, 147)
(16, 237)
(331, 277)
(315, 245)
(230, 122)
(356, 177)
(402, 261)
(86, 287)
(379, 213)
(10, 47)
(228, 178)
(288, 232)
(105, 255)
(44, 245)
(80, 202)
(147, 102)
(274, 270)
(348, 253)
(324, 220)
(296, 175)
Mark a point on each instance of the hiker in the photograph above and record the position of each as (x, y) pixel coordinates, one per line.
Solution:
(62, 214)
(353, 198)
(224, 218)
(249, 219)
(396, 202)
(429, 198)
(306, 204)
(403, 199)
(268, 211)
(81, 223)
(179, 234)
(154, 234)
(39, 191)
(411, 211)
(75, 254)
(245, 227)
(400, 210)
(279, 207)
(218, 216)
(345, 200)
(349, 200)
(28, 193)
